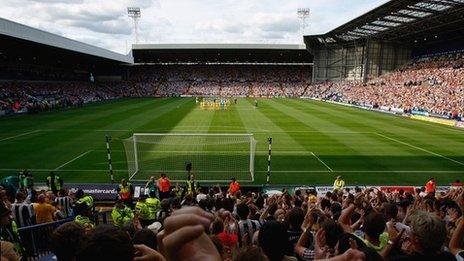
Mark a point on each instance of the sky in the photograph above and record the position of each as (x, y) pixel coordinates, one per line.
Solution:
(105, 23)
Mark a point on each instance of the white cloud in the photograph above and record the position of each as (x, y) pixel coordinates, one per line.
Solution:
(105, 22)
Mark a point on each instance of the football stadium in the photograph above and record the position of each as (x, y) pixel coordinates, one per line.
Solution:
(348, 145)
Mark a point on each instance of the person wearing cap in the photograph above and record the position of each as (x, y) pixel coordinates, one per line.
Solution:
(9, 229)
(121, 214)
(339, 184)
(234, 186)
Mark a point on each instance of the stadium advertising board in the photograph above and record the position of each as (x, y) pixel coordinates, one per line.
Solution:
(97, 191)
(460, 124)
(397, 188)
(442, 189)
(277, 190)
(435, 120)
(422, 113)
(321, 190)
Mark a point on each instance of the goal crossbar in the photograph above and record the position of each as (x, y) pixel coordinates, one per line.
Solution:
(193, 134)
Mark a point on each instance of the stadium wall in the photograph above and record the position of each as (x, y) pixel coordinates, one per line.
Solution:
(106, 192)
(357, 61)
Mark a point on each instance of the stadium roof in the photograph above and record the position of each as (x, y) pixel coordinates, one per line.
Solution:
(15, 31)
(402, 20)
(221, 53)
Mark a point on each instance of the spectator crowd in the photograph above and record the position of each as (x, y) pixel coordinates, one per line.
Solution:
(159, 81)
(433, 85)
(192, 222)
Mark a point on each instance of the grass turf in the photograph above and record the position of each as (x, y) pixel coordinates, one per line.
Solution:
(312, 141)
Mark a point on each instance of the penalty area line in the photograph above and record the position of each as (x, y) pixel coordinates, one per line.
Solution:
(327, 166)
(75, 158)
(19, 135)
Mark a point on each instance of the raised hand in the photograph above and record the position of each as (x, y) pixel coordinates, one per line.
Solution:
(184, 236)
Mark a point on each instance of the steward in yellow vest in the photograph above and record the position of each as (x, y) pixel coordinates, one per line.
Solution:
(339, 184)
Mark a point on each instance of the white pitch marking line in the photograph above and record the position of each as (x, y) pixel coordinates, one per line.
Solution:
(19, 135)
(419, 148)
(312, 153)
(68, 170)
(66, 163)
(261, 171)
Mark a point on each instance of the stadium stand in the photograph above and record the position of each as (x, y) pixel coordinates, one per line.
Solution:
(434, 85)
(214, 223)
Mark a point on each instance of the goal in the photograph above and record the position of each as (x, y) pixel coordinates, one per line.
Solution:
(212, 157)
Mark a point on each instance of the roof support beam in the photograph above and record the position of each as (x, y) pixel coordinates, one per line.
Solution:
(423, 9)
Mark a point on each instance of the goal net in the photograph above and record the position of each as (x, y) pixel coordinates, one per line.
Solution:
(212, 157)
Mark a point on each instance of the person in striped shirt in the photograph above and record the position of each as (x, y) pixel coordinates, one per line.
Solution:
(246, 226)
(65, 202)
(23, 212)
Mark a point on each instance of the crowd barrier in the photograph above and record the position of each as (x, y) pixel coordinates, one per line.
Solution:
(36, 239)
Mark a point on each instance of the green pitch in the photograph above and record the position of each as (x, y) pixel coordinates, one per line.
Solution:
(312, 141)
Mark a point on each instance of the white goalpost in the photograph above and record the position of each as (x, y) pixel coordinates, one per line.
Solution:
(213, 157)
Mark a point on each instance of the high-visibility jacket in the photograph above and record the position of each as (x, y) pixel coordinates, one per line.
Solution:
(56, 182)
(142, 208)
(339, 184)
(153, 205)
(178, 191)
(11, 235)
(121, 216)
(125, 191)
(84, 221)
(87, 200)
(192, 186)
